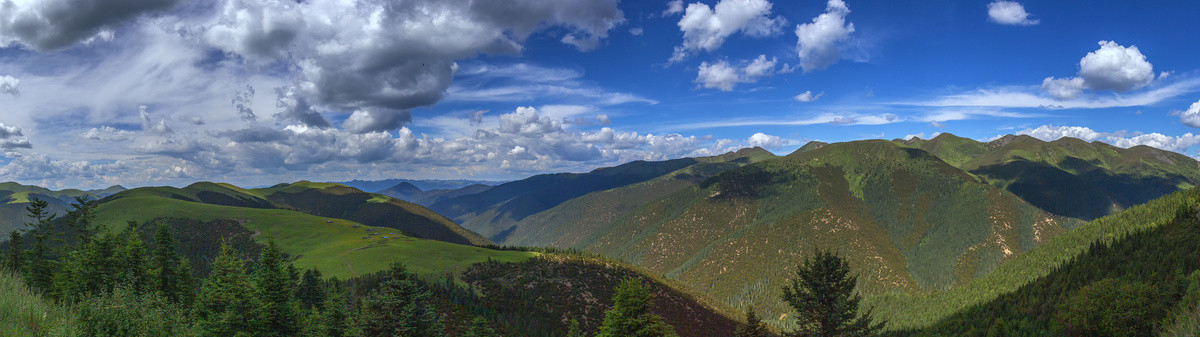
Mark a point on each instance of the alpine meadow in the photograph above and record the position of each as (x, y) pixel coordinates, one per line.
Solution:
(599, 168)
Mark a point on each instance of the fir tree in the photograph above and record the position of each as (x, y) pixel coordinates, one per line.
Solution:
(823, 296)
(336, 317)
(630, 315)
(40, 268)
(480, 327)
(16, 252)
(134, 262)
(172, 279)
(574, 330)
(276, 293)
(226, 305)
(753, 327)
(400, 306)
(311, 293)
(80, 217)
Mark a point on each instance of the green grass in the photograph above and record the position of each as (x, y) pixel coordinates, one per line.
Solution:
(379, 199)
(333, 246)
(25, 313)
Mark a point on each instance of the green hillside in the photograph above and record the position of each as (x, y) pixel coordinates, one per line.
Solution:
(494, 212)
(337, 247)
(906, 220)
(1068, 177)
(567, 224)
(14, 197)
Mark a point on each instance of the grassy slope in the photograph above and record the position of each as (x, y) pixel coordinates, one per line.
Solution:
(339, 201)
(908, 310)
(1068, 176)
(567, 224)
(493, 212)
(25, 313)
(332, 245)
(906, 220)
(14, 197)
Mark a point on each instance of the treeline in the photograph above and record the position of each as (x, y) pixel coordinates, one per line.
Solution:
(1144, 283)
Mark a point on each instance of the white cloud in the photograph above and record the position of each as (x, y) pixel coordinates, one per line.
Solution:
(374, 120)
(723, 76)
(11, 139)
(1191, 116)
(108, 133)
(636, 31)
(149, 124)
(1113, 67)
(1018, 97)
(706, 28)
(817, 42)
(523, 82)
(767, 141)
(10, 85)
(1121, 139)
(1009, 13)
(807, 96)
(674, 7)
(1063, 88)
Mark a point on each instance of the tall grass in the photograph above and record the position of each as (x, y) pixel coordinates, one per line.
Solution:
(25, 313)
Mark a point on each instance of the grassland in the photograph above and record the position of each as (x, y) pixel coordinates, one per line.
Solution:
(25, 313)
(336, 247)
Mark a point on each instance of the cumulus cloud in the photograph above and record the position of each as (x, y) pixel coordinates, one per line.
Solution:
(706, 28)
(10, 85)
(1121, 139)
(150, 124)
(807, 96)
(674, 7)
(242, 104)
(721, 75)
(817, 42)
(374, 120)
(1191, 116)
(1009, 13)
(50, 25)
(107, 133)
(767, 141)
(11, 139)
(1113, 67)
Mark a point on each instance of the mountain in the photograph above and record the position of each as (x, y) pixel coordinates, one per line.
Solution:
(15, 197)
(427, 184)
(404, 191)
(907, 221)
(570, 222)
(114, 189)
(1068, 176)
(494, 212)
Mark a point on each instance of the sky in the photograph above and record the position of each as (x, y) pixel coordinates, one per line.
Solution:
(167, 92)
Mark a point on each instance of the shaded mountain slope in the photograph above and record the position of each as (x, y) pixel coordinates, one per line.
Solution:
(1069, 177)
(569, 223)
(493, 212)
(15, 197)
(409, 192)
(906, 220)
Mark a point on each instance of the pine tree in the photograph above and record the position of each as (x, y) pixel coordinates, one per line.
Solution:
(311, 293)
(823, 296)
(630, 315)
(753, 327)
(80, 217)
(16, 252)
(400, 306)
(40, 268)
(574, 330)
(134, 262)
(276, 293)
(480, 327)
(172, 279)
(227, 305)
(336, 318)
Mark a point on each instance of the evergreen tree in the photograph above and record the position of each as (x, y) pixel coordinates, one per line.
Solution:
(400, 306)
(173, 279)
(133, 261)
(275, 290)
(480, 327)
(227, 305)
(16, 252)
(630, 315)
(311, 293)
(80, 217)
(753, 327)
(41, 269)
(574, 330)
(336, 317)
(823, 296)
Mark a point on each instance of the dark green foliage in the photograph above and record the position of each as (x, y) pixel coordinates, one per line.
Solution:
(275, 289)
(102, 264)
(399, 306)
(226, 305)
(574, 330)
(823, 296)
(79, 219)
(311, 293)
(1111, 307)
(753, 327)
(480, 327)
(125, 312)
(16, 252)
(630, 315)
(335, 316)
(40, 268)
(173, 274)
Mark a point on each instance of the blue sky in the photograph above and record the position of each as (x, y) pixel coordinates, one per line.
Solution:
(175, 91)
